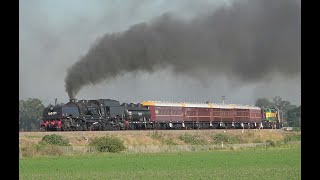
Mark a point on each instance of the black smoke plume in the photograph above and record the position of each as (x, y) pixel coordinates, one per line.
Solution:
(247, 40)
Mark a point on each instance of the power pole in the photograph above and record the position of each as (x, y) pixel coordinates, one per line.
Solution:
(55, 101)
(278, 111)
(223, 98)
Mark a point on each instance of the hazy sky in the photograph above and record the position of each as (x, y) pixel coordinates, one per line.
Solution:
(54, 34)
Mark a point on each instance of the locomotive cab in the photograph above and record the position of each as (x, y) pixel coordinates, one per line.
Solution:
(270, 118)
(53, 116)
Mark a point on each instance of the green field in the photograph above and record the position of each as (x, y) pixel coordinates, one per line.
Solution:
(270, 163)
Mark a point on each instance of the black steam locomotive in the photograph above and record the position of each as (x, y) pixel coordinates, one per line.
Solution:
(101, 114)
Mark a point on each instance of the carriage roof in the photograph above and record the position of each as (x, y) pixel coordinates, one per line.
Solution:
(198, 105)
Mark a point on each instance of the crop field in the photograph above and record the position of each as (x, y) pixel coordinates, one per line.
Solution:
(252, 163)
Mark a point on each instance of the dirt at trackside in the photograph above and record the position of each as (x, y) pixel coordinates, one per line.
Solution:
(156, 137)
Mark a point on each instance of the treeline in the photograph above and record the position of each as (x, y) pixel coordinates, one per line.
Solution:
(30, 112)
(290, 115)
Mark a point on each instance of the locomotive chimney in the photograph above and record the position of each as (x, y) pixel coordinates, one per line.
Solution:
(73, 100)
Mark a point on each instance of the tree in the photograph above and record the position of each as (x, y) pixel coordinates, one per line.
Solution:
(30, 112)
(294, 117)
(263, 102)
(282, 108)
(280, 104)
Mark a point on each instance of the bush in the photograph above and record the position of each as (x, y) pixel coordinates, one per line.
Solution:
(218, 138)
(187, 138)
(108, 144)
(54, 139)
(169, 141)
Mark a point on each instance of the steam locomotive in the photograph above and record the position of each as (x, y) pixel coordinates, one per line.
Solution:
(108, 114)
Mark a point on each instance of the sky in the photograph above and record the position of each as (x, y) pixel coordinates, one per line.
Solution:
(54, 34)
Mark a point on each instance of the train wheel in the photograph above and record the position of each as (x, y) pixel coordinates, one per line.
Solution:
(131, 127)
(177, 126)
(85, 127)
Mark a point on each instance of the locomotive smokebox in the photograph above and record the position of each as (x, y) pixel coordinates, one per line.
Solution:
(73, 100)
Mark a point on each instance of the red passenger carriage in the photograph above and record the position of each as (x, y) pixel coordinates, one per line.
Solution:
(206, 115)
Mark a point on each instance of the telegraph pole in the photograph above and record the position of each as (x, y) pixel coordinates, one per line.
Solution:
(223, 98)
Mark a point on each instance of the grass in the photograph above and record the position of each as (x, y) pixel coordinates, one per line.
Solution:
(292, 137)
(257, 163)
(162, 138)
(133, 138)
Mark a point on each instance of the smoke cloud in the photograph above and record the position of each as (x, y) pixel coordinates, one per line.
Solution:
(248, 41)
